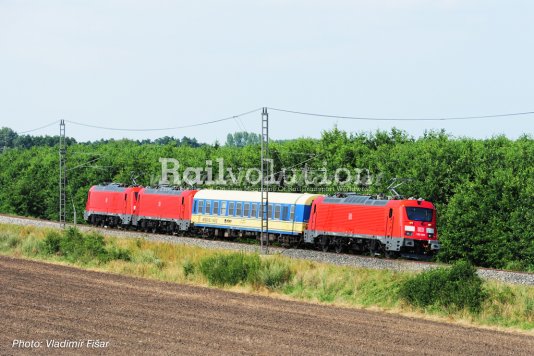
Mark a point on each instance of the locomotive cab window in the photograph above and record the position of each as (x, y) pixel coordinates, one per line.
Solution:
(419, 214)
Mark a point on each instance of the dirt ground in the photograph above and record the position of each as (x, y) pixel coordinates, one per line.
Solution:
(40, 302)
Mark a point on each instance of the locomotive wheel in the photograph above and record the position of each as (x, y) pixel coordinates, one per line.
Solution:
(339, 246)
(324, 243)
(392, 254)
(374, 248)
(298, 243)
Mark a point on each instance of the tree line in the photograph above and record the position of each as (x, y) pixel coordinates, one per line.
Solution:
(483, 189)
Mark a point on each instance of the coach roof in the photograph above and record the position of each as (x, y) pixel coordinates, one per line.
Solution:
(252, 196)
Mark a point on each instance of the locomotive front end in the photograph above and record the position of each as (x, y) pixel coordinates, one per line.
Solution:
(418, 227)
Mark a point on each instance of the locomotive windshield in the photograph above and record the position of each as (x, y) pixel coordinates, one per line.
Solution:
(419, 214)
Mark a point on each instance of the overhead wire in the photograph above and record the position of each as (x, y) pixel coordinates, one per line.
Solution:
(241, 124)
(84, 164)
(233, 117)
(401, 119)
(39, 128)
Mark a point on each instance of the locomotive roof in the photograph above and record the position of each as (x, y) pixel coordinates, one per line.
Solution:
(163, 191)
(110, 188)
(356, 200)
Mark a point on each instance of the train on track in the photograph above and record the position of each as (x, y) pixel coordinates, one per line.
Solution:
(346, 222)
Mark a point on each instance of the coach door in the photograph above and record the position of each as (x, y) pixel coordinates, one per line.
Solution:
(389, 224)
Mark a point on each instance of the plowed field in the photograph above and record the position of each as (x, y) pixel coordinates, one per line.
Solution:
(41, 302)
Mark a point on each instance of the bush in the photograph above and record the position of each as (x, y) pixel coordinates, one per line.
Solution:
(31, 246)
(116, 253)
(230, 269)
(189, 268)
(8, 242)
(456, 287)
(77, 247)
(74, 246)
(149, 256)
(52, 242)
(274, 273)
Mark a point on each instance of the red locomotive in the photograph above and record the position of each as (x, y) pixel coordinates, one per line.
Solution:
(361, 223)
(111, 205)
(164, 209)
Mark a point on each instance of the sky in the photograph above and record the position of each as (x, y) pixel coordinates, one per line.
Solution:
(156, 64)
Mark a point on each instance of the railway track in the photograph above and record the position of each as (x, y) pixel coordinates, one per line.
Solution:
(522, 278)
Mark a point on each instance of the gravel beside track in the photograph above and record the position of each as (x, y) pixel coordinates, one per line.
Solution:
(312, 255)
(41, 301)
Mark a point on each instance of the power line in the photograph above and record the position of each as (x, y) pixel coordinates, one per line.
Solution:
(241, 124)
(398, 119)
(84, 164)
(298, 164)
(165, 128)
(39, 128)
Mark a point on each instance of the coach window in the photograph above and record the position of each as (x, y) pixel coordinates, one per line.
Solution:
(270, 211)
(292, 214)
(208, 206)
(200, 207)
(277, 212)
(285, 212)
(254, 213)
(246, 210)
(216, 208)
(231, 209)
(239, 211)
(223, 208)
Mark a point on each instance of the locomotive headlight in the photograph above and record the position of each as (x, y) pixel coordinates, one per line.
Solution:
(430, 230)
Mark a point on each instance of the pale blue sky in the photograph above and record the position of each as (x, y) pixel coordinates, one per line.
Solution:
(168, 63)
